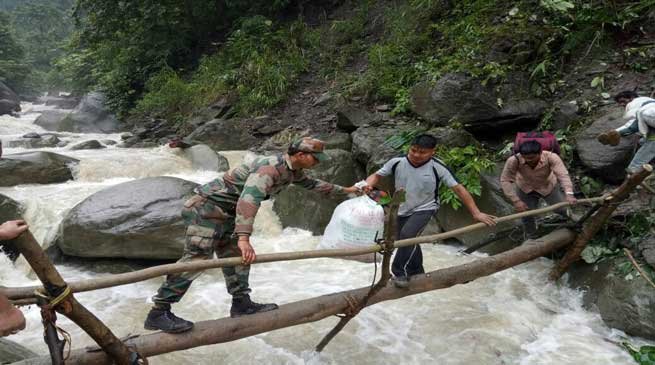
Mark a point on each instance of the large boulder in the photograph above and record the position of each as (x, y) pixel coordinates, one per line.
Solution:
(626, 302)
(460, 98)
(35, 168)
(224, 135)
(368, 145)
(135, 219)
(9, 101)
(204, 158)
(605, 162)
(51, 120)
(90, 116)
(11, 352)
(45, 141)
(492, 201)
(62, 102)
(350, 117)
(298, 207)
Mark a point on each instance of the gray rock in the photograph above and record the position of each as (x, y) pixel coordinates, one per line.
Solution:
(298, 207)
(108, 142)
(63, 102)
(136, 219)
(126, 135)
(323, 99)
(368, 146)
(647, 248)
(12, 352)
(606, 162)
(336, 141)
(351, 117)
(9, 210)
(224, 135)
(35, 168)
(90, 116)
(45, 141)
(51, 119)
(564, 114)
(204, 158)
(9, 101)
(88, 145)
(31, 135)
(461, 98)
(628, 305)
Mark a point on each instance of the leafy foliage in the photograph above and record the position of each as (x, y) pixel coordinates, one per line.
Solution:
(645, 355)
(13, 69)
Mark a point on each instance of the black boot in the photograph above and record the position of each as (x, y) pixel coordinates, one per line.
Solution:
(242, 306)
(163, 319)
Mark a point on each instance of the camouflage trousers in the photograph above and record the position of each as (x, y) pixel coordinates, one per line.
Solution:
(209, 230)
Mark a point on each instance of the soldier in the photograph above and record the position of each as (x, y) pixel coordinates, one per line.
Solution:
(220, 217)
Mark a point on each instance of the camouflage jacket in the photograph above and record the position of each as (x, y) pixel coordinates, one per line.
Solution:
(246, 185)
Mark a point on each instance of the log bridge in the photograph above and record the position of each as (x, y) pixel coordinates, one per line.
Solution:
(56, 295)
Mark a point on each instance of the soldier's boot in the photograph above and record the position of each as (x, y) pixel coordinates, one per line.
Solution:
(161, 318)
(243, 306)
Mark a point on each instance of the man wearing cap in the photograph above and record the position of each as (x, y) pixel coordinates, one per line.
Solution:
(220, 217)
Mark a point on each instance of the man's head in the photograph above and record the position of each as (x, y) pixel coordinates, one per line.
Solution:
(421, 149)
(307, 152)
(531, 152)
(624, 97)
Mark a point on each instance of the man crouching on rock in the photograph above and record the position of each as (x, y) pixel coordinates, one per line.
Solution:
(220, 217)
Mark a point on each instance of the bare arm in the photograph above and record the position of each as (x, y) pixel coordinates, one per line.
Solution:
(469, 203)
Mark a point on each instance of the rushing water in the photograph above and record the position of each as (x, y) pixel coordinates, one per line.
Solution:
(513, 317)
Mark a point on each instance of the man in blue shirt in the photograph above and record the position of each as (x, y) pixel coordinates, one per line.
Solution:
(420, 174)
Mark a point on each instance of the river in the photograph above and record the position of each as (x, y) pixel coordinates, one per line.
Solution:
(513, 317)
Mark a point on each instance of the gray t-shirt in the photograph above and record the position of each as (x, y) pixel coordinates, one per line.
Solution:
(419, 183)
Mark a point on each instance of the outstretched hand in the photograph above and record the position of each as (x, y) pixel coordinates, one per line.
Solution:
(12, 229)
(487, 219)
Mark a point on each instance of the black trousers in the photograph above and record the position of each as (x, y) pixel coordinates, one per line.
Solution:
(409, 260)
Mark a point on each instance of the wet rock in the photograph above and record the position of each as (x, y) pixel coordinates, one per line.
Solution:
(606, 162)
(9, 101)
(204, 158)
(224, 135)
(481, 108)
(88, 145)
(62, 102)
(35, 168)
(108, 142)
(351, 117)
(13, 352)
(627, 304)
(126, 135)
(135, 219)
(323, 99)
(298, 207)
(90, 116)
(647, 248)
(31, 135)
(36, 142)
(9, 210)
(368, 146)
(51, 119)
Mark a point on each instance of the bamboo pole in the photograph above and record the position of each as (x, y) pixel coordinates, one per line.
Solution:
(25, 295)
(55, 287)
(314, 309)
(596, 222)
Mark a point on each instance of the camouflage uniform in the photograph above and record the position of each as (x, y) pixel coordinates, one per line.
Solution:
(225, 208)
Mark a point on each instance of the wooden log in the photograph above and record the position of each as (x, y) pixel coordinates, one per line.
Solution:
(19, 294)
(314, 309)
(596, 222)
(69, 306)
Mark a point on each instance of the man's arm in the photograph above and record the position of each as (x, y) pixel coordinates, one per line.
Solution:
(11, 318)
(559, 169)
(508, 177)
(469, 203)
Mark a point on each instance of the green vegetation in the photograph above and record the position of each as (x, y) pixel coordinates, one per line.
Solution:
(258, 65)
(644, 355)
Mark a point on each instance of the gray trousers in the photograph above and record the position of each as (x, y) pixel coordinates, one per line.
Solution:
(644, 155)
(532, 198)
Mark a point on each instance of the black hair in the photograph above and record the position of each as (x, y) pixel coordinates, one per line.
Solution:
(626, 94)
(292, 151)
(530, 148)
(424, 141)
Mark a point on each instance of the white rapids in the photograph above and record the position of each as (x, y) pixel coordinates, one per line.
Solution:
(513, 317)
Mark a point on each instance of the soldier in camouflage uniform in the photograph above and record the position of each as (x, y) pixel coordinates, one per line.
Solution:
(220, 217)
